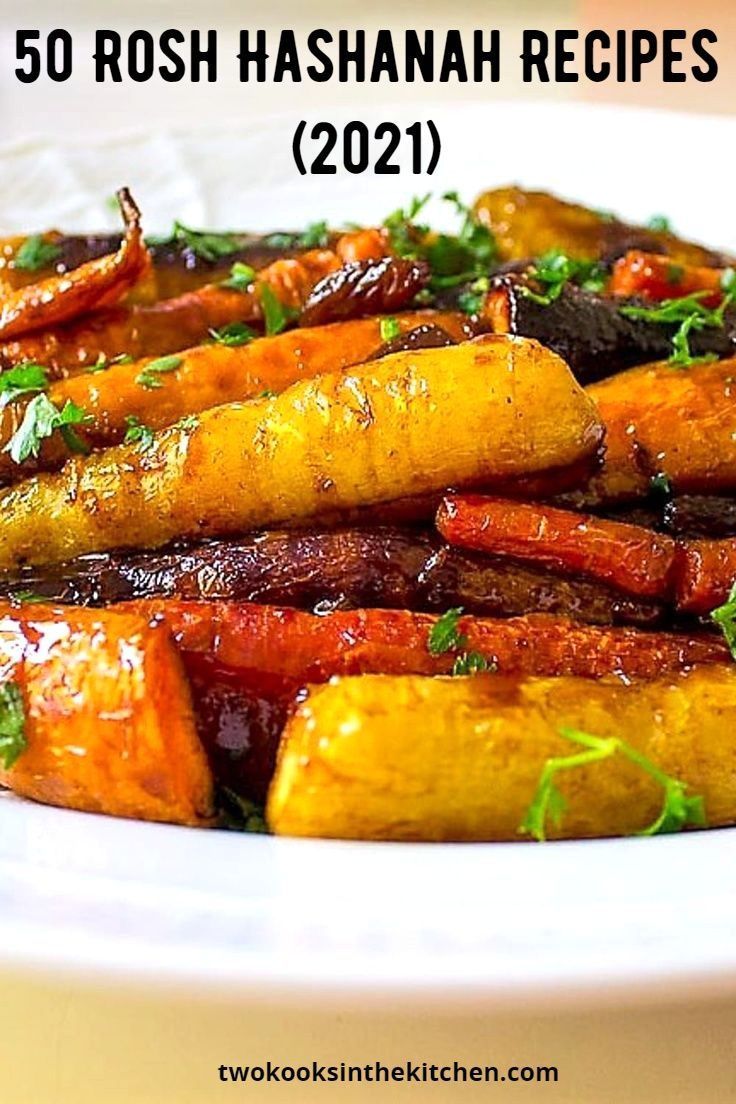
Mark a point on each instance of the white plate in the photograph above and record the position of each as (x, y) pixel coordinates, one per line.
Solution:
(309, 920)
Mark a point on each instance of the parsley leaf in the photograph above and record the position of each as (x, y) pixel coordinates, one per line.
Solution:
(206, 244)
(235, 333)
(660, 224)
(471, 299)
(389, 329)
(188, 423)
(554, 269)
(689, 314)
(35, 253)
(241, 277)
(40, 420)
(240, 814)
(316, 236)
(725, 617)
(445, 636)
(12, 724)
(149, 377)
(678, 810)
(24, 379)
(138, 433)
(276, 316)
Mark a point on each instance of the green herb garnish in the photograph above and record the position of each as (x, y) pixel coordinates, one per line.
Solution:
(28, 598)
(235, 333)
(554, 269)
(24, 379)
(241, 277)
(725, 617)
(267, 395)
(188, 423)
(678, 810)
(35, 253)
(239, 814)
(275, 315)
(206, 244)
(137, 433)
(12, 724)
(659, 484)
(40, 420)
(690, 315)
(471, 299)
(149, 377)
(660, 224)
(389, 328)
(445, 636)
(316, 236)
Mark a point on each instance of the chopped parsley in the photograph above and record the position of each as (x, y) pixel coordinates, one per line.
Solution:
(206, 244)
(235, 333)
(445, 636)
(149, 377)
(660, 224)
(554, 269)
(137, 433)
(239, 814)
(390, 328)
(188, 423)
(276, 316)
(241, 277)
(12, 724)
(689, 315)
(267, 395)
(453, 258)
(725, 617)
(659, 484)
(471, 299)
(41, 419)
(24, 379)
(27, 598)
(35, 253)
(316, 236)
(678, 810)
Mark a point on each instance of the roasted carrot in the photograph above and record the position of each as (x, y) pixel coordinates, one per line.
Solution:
(92, 286)
(307, 647)
(206, 376)
(655, 277)
(676, 423)
(705, 571)
(630, 558)
(408, 424)
(105, 712)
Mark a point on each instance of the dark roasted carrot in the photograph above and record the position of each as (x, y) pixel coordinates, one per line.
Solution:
(92, 286)
(108, 722)
(630, 558)
(705, 571)
(654, 276)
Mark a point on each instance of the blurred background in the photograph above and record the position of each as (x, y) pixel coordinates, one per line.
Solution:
(88, 108)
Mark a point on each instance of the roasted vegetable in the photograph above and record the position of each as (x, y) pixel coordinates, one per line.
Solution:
(460, 759)
(630, 558)
(106, 716)
(208, 375)
(527, 224)
(653, 276)
(331, 569)
(590, 331)
(324, 446)
(246, 662)
(705, 574)
(97, 284)
(365, 287)
(676, 426)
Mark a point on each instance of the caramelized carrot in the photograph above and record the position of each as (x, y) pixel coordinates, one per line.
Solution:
(108, 720)
(705, 571)
(306, 647)
(207, 376)
(630, 558)
(92, 286)
(656, 277)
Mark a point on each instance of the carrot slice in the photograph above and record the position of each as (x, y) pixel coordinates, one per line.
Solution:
(109, 725)
(656, 277)
(633, 559)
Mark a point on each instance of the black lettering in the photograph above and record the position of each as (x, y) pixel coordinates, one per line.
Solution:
(177, 70)
(710, 72)
(287, 58)
(258, 55)
(313, 43)
(643, 51)
(349, 57)
(492, 55)
(418, 57)
(453, 59)
(384, 59)
(107, 56)
(562, 56)
(204, 55)
(535, 48)
(140, 56)
(593, 72)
